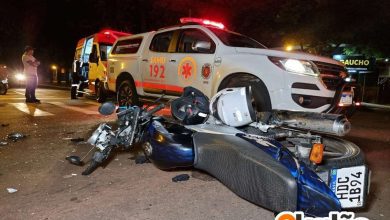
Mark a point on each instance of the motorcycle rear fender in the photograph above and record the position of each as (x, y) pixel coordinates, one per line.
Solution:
(247, 171)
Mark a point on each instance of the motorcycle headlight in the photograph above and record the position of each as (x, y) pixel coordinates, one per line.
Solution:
(295, 66)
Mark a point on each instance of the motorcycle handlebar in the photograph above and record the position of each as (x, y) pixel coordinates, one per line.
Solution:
(153, 110)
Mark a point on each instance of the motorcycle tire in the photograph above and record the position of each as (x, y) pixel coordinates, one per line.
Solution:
(91, 167)
(349, 154)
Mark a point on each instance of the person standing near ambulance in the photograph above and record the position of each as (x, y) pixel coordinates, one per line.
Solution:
(30, 71)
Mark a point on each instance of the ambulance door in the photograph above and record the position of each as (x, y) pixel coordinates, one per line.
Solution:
(93, 73)
(157, 71)
(194, 60)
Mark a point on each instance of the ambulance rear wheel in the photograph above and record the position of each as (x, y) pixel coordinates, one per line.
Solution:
(127, 94)
(101, 94)
(73, 92)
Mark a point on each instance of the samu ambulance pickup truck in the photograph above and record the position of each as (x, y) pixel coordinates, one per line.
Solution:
(203, 54)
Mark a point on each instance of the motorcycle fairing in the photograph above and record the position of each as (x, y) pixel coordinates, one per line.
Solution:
(249, 172)
(315, 198)
(172, 145)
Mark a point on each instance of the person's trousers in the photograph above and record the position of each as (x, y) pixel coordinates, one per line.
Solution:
(31, 86)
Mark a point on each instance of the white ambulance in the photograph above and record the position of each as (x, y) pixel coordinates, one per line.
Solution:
(204, 54)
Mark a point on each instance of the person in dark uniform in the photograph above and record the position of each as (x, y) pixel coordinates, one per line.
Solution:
(76, 75)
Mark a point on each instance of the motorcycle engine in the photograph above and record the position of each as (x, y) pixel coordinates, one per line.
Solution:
(101, 137)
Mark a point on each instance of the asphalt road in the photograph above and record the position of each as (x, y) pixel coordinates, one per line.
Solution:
(50, 188)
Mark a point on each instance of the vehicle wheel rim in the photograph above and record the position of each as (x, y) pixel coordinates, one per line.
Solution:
(125, 96)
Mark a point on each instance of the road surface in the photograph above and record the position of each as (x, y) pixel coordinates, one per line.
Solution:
(50, 188)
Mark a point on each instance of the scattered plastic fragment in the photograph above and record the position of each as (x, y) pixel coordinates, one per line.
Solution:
(181, 177)
(11, 190)
(15, 136)
(77, 139)
(140, 159)
(70, 175)
(3, 143)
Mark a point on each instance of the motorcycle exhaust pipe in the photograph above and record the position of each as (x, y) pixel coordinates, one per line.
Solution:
(333, 124)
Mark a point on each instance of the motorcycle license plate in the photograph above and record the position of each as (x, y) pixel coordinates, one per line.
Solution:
(346, 98)
(350, 185)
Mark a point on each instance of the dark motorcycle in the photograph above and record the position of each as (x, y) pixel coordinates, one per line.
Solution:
(3, 85)
(287, 163)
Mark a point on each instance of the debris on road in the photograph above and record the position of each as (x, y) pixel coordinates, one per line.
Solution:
(181, 177)
(3, 143)
(70, 175)
(15, 136)
(11, 190)
(140, 159)
(4, 125)
(77, 139)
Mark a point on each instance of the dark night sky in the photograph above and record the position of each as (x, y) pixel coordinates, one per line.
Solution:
(54, 27)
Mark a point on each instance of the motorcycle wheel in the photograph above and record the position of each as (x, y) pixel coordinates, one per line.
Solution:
(340, 153)
(3, 89)
(91, 167)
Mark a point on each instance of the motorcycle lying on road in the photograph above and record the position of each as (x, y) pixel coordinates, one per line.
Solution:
(290, 161)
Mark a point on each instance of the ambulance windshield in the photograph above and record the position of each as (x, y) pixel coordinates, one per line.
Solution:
(233, 39)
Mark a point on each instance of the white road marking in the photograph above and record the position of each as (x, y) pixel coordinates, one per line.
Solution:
(20, 93)
(75, 108)
(46, 98)
(30, 109)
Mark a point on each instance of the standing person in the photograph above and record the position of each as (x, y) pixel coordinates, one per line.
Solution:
(30, 70)
(76, 78)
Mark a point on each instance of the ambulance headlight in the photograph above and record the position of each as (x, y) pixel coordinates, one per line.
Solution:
(295, 65)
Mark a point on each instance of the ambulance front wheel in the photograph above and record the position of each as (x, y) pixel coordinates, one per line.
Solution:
(261, 100)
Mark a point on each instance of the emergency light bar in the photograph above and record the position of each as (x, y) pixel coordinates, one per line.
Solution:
(202, 21)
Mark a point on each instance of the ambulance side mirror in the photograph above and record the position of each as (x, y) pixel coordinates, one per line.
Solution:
(201, 46)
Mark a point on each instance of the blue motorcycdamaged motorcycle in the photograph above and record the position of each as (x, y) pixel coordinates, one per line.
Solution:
(264, 163)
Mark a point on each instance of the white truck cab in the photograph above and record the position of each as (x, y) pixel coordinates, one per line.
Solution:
(203, 54)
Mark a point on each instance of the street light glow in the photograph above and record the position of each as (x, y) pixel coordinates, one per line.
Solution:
(54, 67)
(289, 48)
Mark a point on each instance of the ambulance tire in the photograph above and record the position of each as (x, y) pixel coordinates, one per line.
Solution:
(73, 92)
(127, 94)
(101, 94)
(261, 100)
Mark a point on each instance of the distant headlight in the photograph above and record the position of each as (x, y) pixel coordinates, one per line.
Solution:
(295, 66)
(20, 76)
